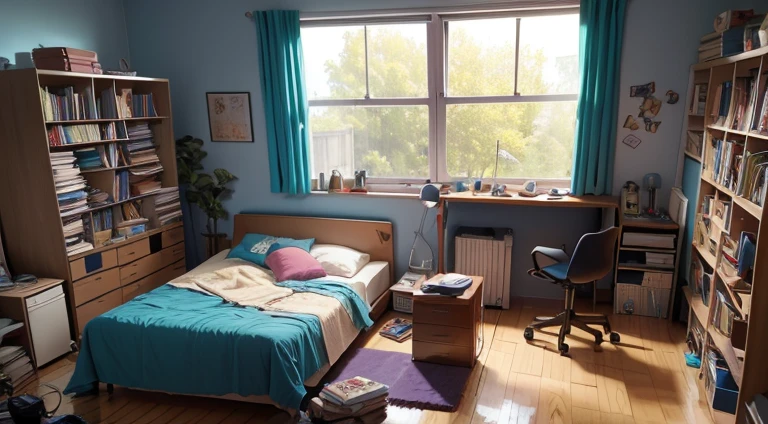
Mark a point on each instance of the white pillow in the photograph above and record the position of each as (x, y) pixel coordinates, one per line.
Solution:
(339, 261)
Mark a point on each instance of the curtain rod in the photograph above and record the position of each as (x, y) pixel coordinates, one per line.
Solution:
(517, 5)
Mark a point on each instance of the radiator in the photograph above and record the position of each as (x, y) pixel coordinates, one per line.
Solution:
(491, 259)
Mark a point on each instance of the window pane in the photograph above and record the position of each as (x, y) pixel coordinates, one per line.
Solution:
(334, 62)
(385, 141)
(397, 60)
(537, 139)
(549, 55)
(481, 57)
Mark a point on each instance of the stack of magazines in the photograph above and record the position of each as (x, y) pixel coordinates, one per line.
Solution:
(350, 401)
(398, 329)
(168, 205)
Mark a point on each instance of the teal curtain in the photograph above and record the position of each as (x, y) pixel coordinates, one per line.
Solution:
(284, 94)
(600, 38)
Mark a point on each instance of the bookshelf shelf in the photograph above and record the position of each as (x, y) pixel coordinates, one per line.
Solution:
(646, 249)
(757, 135)
(645, 267)
(82, 121)
(708, 257)
(115, 168)
(38, 242)
(723, 344)
(697, 305)
(694, 157)
(747, 205)
(128, 240)
(86, 144)
(717, 128)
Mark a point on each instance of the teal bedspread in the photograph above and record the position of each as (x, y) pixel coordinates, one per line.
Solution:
(181, 341)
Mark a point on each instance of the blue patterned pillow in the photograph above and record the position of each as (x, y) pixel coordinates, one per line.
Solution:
(255, 247)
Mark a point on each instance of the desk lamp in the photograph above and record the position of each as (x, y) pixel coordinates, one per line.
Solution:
(652, 182)
(430, 197)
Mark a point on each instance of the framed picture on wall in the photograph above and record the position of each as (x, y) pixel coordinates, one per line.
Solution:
(229, 116)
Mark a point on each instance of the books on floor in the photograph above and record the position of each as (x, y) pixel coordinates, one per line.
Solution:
(16, 364)
(398, 329)
(354, 400)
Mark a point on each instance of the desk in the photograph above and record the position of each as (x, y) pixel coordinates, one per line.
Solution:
(609, 205)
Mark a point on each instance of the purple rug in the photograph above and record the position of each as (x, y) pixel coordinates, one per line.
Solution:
(411, 384)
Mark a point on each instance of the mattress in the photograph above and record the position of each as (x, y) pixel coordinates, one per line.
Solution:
(370, 282)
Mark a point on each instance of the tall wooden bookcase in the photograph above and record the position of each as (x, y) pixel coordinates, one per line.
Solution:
(108, 275)
(748, 365)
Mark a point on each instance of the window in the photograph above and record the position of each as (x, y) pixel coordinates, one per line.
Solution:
(429, 96)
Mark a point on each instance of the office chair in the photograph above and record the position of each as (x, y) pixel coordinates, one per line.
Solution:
(592, 260)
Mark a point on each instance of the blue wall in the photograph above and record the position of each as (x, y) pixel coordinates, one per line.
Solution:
(205, 46)
(97, 25)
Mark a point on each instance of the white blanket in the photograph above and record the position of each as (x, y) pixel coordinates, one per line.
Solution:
(246, 284)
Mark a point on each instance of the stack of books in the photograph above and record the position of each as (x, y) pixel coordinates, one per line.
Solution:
(759, 122)
(729, 36)
(351, 401)
(88, 159)
(98, 198)
(60, 135)
(755, 181)
(662, 260)
(146, 178)
(67, 59)
(168, 205)
(710, 47)
(140, 149)
(64, 104)
(17, 365)
(107, 105)
(133, 223)
(398, 329)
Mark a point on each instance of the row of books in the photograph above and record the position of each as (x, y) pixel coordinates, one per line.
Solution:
(353, 400)
(143, 105)
(722, 103)
(60, 135)
(735, 31)
(168, 205)
(726, 162)
(121, 189)
(64, 104)
(16, 364)
(755, 181)
(699, 99)
(701, 278)
(721, 44)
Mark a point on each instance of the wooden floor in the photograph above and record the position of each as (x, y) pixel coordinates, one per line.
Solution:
(642, 380)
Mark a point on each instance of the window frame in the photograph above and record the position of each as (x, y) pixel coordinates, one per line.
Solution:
(438, 98)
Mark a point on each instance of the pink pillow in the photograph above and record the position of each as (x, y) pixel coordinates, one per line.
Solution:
(293, 263)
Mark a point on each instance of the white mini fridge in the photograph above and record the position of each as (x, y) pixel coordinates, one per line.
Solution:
(49, 324)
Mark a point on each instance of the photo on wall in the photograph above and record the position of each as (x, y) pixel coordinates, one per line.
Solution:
(229, 116)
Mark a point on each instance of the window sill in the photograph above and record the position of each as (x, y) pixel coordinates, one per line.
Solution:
(374, 194)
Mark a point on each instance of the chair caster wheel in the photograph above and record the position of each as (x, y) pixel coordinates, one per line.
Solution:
(598, 340)
(568, 331)
(615, 338)
(528, 333)
(563, 348)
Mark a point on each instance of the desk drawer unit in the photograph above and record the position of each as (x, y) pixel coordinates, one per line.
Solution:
(149, 264)
(93, 263)
(90, 288)
(446, 329)
(97, 307)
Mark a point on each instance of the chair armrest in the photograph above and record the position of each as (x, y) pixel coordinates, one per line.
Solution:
(558, 255)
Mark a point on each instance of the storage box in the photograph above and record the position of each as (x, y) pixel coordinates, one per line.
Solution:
(402, 292)
(721, 389)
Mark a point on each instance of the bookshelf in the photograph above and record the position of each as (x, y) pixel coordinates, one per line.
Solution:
(728, 309)
(119, 235)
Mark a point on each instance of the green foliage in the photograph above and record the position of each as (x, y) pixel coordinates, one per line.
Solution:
(394, 141)
(203, 190)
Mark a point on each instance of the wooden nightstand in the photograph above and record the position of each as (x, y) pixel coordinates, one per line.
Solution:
(448, 330)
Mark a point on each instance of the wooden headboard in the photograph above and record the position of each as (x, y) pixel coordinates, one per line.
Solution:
(372, 237)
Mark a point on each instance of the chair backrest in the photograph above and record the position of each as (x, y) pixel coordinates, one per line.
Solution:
(593, 257)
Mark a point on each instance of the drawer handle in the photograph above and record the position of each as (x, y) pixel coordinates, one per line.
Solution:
(177, 251)
(98, 279)
(441, 335)
(132, 274)
(130, 253)
(440, 311)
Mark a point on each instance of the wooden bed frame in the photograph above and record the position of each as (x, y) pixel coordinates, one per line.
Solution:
(372, 237)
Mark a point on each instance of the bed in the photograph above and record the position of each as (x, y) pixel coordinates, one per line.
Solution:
(182, 341)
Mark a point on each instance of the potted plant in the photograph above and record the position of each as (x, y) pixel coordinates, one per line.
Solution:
(204, 190)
